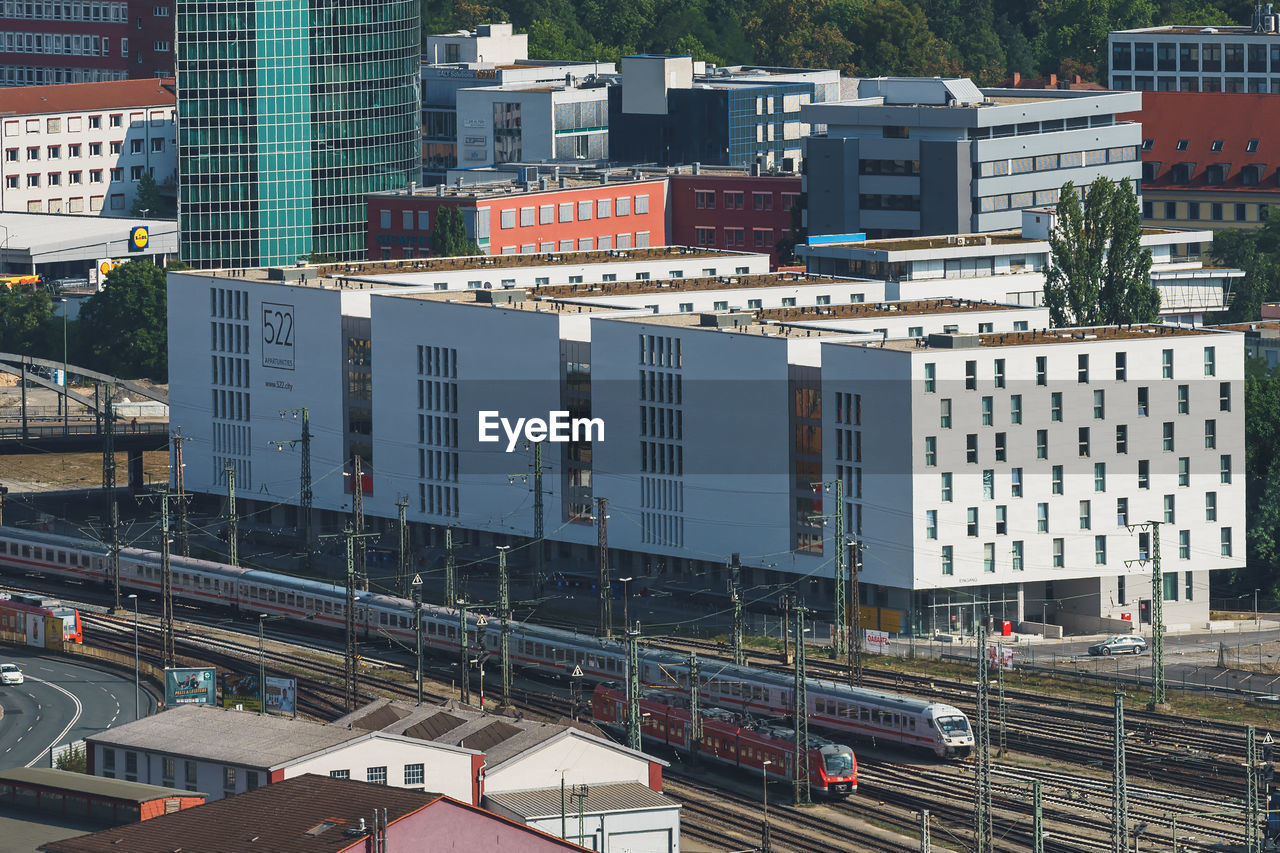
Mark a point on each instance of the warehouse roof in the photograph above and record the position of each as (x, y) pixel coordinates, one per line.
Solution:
(545, 802)
(306, 814)
(93, 786)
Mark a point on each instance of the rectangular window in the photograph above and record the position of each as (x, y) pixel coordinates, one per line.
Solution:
(1086, 515)
(1184, 545)
(1224, 546)
(1144, 400)
(1100, 550)
(930, 377)
(1099, 476)
(1056, 473)
(1122, 438)
(1041, 370)
(1170, 509)
(1015, 408)
(946, 487)
(948, 560)
(971, 448)
(1042, 518)
(1015, 482)
(1042, 444)
(339, 774)
(1224, 468)
(945, 417)
(1210, 506)
(970, 375)
(971, 525)
(376, 775)
(988, 483)
(1082, 435)
(1099, 404)
(1002, 450)
(989, 557)
(1166, 364)
(1122, 512)
(1055, 406)
(988, 411)
(931, 524)
(1018, 550)
(1122, 366)
(413, 774)
(999, 366)
(1059, 554)
(1184, 400)
(1210, 361)
(1167, 440)
(930, 450)
(1082, 368)
(1002, 520)
(1224, 396)
(1184, 471)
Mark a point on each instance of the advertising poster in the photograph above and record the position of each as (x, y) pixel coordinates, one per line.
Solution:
(241, 690)
(282, 696)
(190, 687)
(876, 641)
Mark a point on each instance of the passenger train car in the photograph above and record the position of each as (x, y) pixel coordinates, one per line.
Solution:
(886, 717)
(728, 738)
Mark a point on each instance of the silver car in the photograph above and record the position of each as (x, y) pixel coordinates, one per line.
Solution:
(1121, 644)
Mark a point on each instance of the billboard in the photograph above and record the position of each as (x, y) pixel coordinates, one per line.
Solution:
(1000, 657)
(240, 690)
(876, 641)
(282, 696)
(190, 686)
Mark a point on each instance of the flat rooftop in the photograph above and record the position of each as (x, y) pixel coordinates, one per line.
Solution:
(336, 275)
(1184, 30)
(1255, 326)
(945, 241)
(593, 290)
(517, 189)
(753, 325)
(871, 310)
(1040, 337)
(506, 298)
(94, 786)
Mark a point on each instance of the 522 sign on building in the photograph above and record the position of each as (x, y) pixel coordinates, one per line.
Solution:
(277, 335)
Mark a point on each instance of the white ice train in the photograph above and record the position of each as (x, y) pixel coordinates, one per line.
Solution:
(872, 714)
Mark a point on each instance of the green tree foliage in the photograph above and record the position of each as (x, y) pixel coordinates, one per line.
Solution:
(1257, 252)
(1099, 274)
(449, 236)
(72, 760)
(1262, 477)
(152, 200)
(26, 316)
(124, 327)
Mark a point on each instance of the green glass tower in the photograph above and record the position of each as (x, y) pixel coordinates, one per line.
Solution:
(289, 113)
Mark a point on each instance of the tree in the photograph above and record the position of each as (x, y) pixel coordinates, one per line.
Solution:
(1262, 474)
(150, 199)
(124, 327)
(1257, 252)
(26, 314)
(72, 759)
(449, 236)
(1099, 274)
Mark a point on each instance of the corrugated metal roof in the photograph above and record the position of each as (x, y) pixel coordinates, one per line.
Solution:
(545, 802)
(93, 786)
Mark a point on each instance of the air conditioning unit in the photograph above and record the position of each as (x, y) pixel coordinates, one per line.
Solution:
(960, 241)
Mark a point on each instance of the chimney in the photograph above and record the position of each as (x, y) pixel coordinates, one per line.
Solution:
(1017, 78)
(1053, 81)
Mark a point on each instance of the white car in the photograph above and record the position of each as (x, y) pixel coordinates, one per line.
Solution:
(10, 674)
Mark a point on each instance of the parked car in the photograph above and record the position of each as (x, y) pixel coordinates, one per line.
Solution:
(10, 674)
(1119, 645)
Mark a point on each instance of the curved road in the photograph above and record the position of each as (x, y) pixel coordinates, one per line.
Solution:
(59, 702)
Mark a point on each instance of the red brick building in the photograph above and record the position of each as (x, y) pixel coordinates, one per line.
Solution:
(48, 43)
(732, 209)
(507, 218)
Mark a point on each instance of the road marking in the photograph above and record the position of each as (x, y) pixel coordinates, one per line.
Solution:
(74, 719)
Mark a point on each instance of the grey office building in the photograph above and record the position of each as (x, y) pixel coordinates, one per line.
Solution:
(918, 156)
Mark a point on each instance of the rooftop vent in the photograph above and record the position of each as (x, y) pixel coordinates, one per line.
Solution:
(725, 320)
(497, 297)
(953, 341)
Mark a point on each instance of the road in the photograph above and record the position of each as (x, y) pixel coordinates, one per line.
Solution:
(59, 702)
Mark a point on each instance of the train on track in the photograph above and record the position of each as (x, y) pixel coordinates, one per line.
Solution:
(873, 714)
(729, 739)
(41, 621)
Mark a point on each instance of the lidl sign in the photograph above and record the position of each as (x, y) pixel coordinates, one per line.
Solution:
(139, 237)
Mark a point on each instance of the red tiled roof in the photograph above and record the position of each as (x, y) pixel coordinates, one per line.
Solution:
(1203, 118)
(1017, 81)
(84, 97)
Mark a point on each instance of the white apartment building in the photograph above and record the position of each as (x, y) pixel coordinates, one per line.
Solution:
(1008, 468)
(496, 44)
(717, 423)
(514, 122)
(83, 147)
(1198, 59)
(1010, 266)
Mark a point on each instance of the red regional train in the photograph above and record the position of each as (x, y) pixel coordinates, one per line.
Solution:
(44, 622)
(728, 739)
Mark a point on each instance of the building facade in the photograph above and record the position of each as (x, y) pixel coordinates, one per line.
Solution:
(673, 111)
(734, 209)
(505, 219)
(1206, 158)
(49, 43)
(1010, 266)
(1198, 59)
(82, 148)
(916, 156)
(531, 121)
(277, 151)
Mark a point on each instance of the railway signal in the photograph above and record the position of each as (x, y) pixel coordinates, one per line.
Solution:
(416, 586)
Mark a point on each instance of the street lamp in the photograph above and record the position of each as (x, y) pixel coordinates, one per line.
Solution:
(1255, 610)
(62, 398)
(626, 604)
(137, 690)
(262, 667)
(764, 784)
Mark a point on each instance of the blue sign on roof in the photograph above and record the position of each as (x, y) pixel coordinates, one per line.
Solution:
(827, 239)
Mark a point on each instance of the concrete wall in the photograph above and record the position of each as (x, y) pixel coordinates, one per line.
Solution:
(582, 761)
(618, 832)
